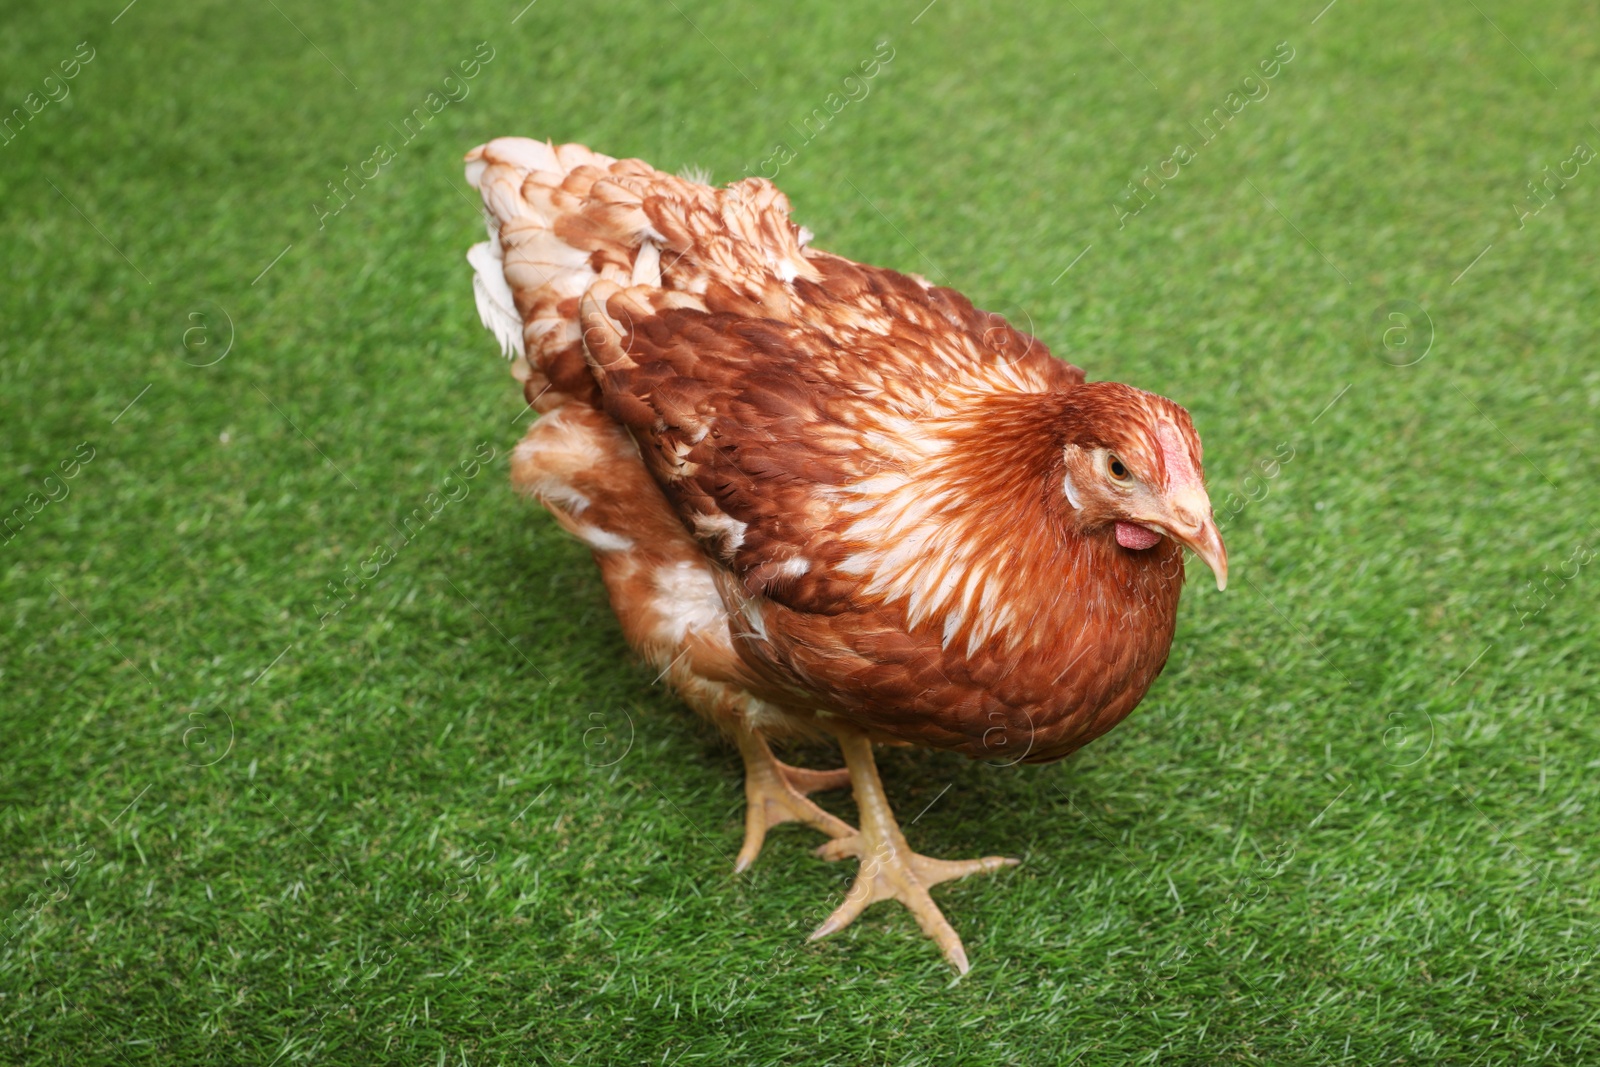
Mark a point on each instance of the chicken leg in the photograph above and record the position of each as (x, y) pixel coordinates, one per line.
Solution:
(889, 869)
(776, 793)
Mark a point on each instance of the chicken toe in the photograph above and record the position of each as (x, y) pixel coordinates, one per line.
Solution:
(889, 869)
(776, 793)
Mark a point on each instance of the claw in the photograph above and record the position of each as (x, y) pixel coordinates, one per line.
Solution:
(889, 869)
(775, 793)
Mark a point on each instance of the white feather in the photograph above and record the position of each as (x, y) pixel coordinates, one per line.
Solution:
(729, 530)
(603, 540)
(496, 306)
(647, 265)
(687, 598)
(526, 152)
(696, 173)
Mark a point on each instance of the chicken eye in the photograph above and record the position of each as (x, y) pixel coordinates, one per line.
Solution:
(1119, 471)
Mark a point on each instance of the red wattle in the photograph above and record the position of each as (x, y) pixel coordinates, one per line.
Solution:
(1132, 535)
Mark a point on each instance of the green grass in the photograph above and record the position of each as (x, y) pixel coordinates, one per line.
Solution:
(1355, 821)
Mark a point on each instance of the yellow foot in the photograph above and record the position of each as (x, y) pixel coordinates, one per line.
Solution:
(775, 793)
(889, 869)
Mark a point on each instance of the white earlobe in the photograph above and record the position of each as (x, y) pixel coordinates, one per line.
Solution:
(1072, 491)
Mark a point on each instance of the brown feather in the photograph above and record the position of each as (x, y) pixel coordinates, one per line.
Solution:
(863, 469)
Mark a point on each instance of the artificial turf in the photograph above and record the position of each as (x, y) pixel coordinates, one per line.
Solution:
(455, 822)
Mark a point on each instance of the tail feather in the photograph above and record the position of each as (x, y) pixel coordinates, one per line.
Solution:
(563, 219)
(523, 273)
(497, 308)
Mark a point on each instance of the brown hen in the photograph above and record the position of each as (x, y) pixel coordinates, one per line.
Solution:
(826, 497)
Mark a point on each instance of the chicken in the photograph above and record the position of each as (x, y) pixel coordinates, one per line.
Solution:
(831, 499)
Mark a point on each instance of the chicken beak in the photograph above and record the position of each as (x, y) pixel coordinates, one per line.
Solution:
(1206, 542)
(1196, 529)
